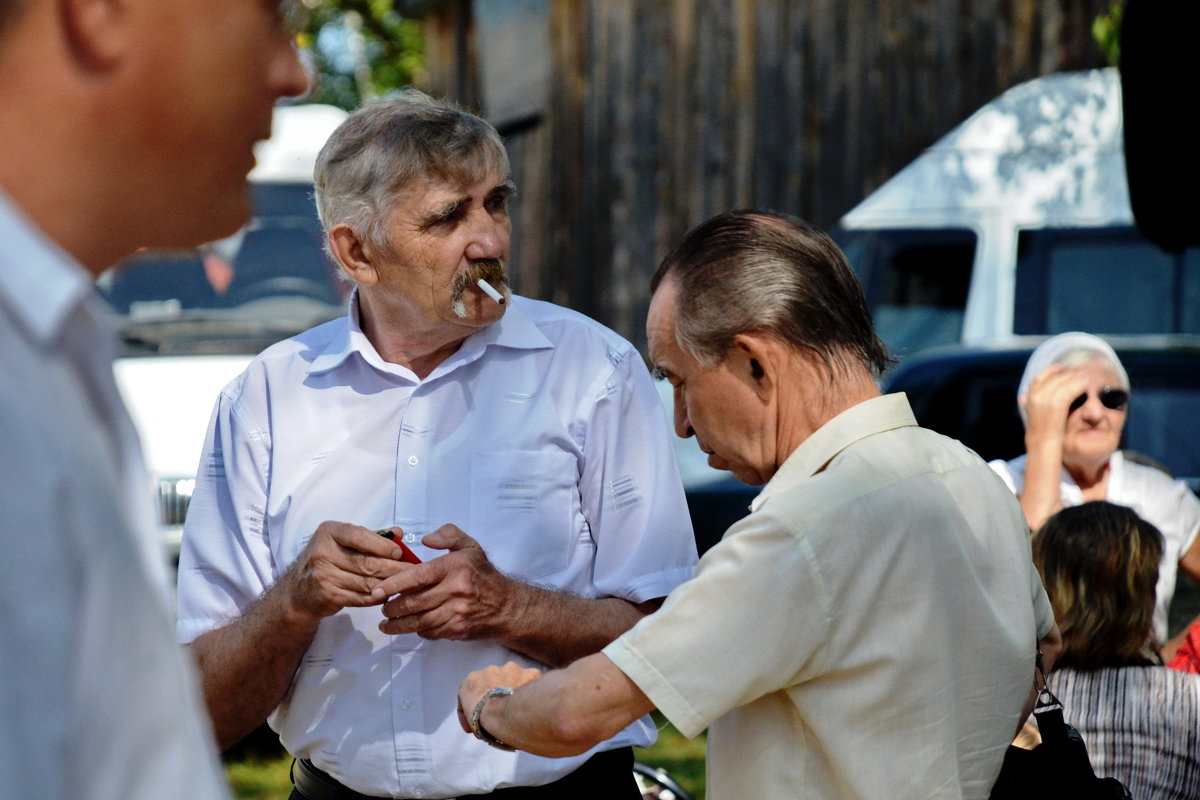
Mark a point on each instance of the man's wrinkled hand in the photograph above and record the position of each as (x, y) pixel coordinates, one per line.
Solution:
(460, 595)
(340, 567)
(480, 682)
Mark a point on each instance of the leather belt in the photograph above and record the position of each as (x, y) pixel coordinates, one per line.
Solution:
(608, 774)
(317, 785)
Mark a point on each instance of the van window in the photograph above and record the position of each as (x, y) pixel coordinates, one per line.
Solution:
(277, 255)
(916, 282)
(1190, 296)
(1106, 281)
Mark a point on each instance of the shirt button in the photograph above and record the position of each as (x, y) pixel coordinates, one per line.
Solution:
(407, 704)
(412, 461)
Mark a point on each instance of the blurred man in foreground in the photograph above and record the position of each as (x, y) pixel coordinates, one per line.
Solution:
(124, 123)
(869, 630)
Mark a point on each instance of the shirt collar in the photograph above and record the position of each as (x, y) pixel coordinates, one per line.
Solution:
(864, 419)
(514, 330)
(39, 281)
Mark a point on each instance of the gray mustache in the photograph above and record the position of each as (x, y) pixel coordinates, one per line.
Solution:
(491, 270)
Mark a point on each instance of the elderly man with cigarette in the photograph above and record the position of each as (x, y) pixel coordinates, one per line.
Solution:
(515, 450)
(869, 630)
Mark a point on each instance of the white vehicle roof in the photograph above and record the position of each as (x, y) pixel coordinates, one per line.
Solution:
(297, 134)
(1046, 153)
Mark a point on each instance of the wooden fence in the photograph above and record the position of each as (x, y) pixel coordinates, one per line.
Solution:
(629, 121)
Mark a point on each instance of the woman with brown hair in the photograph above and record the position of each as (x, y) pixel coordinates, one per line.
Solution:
(1141, 722)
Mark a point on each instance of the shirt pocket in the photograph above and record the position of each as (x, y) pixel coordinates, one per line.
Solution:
(522, 509)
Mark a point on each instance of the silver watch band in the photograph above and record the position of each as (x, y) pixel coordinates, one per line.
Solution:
(477, 726)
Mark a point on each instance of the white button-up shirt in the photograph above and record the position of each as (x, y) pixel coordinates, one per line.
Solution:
(542, 437)
(868, 631)
(97, 699)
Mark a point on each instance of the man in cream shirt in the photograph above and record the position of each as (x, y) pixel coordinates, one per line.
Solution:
(869, 630)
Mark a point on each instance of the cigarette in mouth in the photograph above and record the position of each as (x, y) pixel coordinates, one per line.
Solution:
(489, 291)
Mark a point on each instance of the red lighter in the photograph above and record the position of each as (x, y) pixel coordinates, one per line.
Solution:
(409, 556)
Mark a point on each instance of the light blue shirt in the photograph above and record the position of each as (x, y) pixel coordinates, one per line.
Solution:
(97, 699)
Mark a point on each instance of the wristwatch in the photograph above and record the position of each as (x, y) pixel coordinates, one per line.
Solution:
(477, 727)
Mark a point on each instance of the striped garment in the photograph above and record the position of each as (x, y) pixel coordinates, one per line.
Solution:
(1141, 726)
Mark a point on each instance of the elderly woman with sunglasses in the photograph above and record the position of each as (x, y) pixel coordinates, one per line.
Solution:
(1073, 397)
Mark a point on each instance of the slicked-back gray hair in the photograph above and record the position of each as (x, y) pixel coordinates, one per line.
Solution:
(761, 271)
(384, 147)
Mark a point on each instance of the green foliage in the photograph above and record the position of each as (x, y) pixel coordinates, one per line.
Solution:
(261, 778)
(1106, 29)
(360, 49)
(682, 759)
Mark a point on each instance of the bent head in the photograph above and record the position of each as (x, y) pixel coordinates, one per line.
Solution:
(413, 194)
(1099, 563)
(742, 293)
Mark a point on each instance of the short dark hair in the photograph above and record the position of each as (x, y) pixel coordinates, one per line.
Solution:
(762, 271)
(1099, 562)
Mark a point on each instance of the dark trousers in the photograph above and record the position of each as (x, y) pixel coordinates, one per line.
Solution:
(604, 775)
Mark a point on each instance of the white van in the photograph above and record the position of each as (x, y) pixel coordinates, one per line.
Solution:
(193, 320)
(1018, 222)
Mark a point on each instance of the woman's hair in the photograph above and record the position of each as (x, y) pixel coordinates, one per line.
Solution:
(1099, 562)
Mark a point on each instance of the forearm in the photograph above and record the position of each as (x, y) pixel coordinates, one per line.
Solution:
(1189, 564)
(1041, 496)
(247, 666)
(557, 628)
(568, 711)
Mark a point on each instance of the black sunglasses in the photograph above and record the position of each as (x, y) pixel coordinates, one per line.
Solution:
(1112, 399)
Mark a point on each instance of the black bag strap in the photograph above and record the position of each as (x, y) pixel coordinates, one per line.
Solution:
(1047, 710)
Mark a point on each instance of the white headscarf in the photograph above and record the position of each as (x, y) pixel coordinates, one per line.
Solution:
(1060, 348)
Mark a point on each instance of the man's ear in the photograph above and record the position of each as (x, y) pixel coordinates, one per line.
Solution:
(755, 359)
(353, 254)
(98, 32)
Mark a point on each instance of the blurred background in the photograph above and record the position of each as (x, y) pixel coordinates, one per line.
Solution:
(629, 121)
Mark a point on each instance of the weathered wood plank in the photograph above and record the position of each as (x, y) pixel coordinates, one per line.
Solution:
(663, 112)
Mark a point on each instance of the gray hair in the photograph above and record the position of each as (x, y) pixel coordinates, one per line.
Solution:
(384, 147)
(761, 271)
